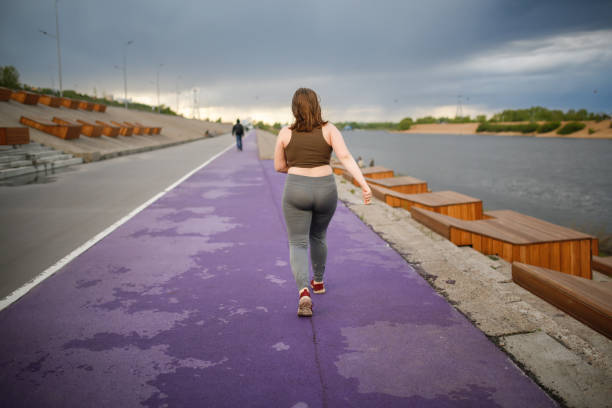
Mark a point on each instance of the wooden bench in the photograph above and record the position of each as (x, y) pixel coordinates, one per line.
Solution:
(137, 128)
(108, 129)
(124, 130)
(70, 103)
(87, 128)
(603, 265)
(401, 184)
(50, 100)
(99, 107)
(338, 169)
(25, 97)
(14, 135)
(377, 172)
(84, 105)
(5, 94)
(449, 203)
(147, 130)
(587, 301)
(517, 237)
(62, 131)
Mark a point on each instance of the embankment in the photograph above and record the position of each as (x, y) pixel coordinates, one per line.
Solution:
(175, 129)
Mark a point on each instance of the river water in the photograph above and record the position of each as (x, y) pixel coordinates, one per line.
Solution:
(563, 181)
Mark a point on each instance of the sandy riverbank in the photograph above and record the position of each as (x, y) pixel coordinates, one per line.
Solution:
(602, 130)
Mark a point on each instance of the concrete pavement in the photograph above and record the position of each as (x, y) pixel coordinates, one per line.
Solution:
(41, 223)
(192, 303)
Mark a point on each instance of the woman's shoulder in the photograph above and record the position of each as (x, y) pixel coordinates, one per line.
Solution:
(284, 134)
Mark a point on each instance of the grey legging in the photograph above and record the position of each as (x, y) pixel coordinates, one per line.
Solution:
(308, 206)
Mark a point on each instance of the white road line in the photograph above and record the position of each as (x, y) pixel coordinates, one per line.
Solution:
(16, 294)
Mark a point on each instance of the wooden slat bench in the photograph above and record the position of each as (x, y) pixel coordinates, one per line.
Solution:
(147, 130)
(587, 301)
(108, 129)
(50, 100)
(449, 203)
(603, 265)
(14, 135)
(70, 103)
(5, 94)
(338, 169)
(25, 97)
(517, 237)
(99, 107)
(124, 130)
(55, 129)
(137, 128)
(87, 128)
(401, 184)
(377, 172)
(87, 106)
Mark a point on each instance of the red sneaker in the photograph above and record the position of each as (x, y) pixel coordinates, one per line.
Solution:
(317, 288)
(305, 304)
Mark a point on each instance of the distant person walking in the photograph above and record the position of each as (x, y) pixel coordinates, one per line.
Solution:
(303, 150)
(238, 130)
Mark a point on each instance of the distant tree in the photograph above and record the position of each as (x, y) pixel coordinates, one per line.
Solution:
(404, 124)
(9, 77)
(481, 118)
(219, 120)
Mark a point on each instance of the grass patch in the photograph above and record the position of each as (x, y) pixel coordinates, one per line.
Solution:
(591, 131)
(352, 191)
(571, 127)
(548, 127)
(502, 127)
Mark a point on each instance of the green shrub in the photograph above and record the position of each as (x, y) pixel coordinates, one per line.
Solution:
(591, 131)
(520, 127)
(571, 127)
(548, 127)
(404, 124)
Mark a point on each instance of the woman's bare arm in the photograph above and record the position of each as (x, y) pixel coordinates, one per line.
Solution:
(347, 160)
(280, 161)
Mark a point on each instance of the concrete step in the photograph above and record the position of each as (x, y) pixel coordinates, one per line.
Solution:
(6, 173)
(17, 163)
(54, 158)
(12, 157)
(38, 154)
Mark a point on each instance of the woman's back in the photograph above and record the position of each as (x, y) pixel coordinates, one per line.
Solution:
(308, 149)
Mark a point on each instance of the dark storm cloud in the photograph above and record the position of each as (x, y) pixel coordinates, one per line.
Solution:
(372, 53)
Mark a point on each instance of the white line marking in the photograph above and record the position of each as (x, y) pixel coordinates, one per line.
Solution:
(16, 294)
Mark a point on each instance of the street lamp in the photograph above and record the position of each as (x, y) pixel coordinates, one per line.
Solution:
(158, 68)
(59, 55)
(125, 45)
(178, 94)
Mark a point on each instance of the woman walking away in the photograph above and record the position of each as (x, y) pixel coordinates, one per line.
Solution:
(303, 151)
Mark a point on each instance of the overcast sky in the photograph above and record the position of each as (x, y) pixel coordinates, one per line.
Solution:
(368, 60)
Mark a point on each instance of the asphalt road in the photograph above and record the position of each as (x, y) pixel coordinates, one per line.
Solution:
(42, 223)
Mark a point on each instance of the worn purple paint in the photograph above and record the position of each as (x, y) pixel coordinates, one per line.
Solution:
(192, 303)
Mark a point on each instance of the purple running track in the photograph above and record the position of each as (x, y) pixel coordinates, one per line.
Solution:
(192, 303)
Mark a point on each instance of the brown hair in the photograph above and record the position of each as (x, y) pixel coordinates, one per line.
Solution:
(306, 110)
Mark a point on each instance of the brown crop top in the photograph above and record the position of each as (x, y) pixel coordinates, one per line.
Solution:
(308, 149)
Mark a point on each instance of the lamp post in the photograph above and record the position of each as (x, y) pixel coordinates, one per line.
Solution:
(178, 94)
(125, 45)
(59, 54)
(158, 68)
